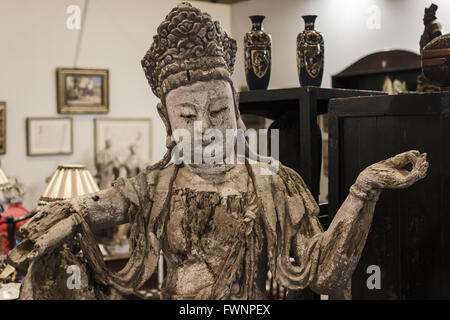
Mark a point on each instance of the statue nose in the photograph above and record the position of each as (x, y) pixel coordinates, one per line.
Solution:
(206, 124)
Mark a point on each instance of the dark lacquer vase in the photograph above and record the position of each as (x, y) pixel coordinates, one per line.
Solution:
(257, 50)
(310, 54)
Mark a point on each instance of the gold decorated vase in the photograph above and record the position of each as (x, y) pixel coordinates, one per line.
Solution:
(257, 50)
(310, 54)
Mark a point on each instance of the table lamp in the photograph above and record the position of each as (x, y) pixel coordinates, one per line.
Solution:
(4, 181)
(68, 181)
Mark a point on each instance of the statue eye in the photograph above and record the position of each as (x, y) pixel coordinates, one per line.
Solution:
(188, 116)
(215, 113)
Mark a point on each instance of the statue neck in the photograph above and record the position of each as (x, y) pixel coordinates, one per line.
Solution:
(225, 178)
(212, 173)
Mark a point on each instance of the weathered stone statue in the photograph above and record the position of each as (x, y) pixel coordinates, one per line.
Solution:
(107, 166)
(133, 164)
(221, 227)
(432, 30)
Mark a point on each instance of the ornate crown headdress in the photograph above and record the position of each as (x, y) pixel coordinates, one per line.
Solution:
(189, 46)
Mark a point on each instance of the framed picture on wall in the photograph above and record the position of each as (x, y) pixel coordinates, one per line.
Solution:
(49, 136)
(82, 91)
(119, 134)
(2, 127)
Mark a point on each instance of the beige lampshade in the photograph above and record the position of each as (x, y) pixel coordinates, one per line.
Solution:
(4, 181)
(67, 182)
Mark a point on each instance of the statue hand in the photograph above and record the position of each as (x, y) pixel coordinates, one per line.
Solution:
(47, 230)
(391, 173)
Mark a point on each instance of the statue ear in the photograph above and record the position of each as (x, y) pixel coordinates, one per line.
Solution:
(162, 111)
(235, 100)
(240, 123)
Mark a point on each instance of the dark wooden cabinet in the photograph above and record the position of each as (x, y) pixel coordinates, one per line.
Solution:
(295, 111)
(410, 236)
(370, 72)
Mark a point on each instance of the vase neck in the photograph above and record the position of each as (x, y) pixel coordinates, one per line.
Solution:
(309, 21)
(257, 22)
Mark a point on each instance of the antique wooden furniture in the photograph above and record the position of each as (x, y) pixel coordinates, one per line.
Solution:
(369, 72)
(295, 112)
(409, 239)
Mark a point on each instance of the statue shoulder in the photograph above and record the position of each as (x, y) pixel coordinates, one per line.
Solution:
(150, 175)
(144, 184)
(281, 177)
(154, 175)
(276, 170)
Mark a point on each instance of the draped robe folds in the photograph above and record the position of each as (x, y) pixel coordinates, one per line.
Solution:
(324, 261)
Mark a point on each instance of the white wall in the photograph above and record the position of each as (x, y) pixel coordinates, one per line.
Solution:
(34, 41)
(343, 24)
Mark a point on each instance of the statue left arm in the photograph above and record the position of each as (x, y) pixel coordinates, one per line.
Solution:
(341, 245)
(334, 254)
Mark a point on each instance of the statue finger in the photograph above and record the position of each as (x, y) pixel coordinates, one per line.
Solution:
(415, 175)
(45, 219)
(421, 160)
(422, 168)
(55, 236)
(402, 159)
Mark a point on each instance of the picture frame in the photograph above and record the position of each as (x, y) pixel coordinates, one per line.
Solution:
(123, 132)
(49, 136)
(82, 91)
(2, 127)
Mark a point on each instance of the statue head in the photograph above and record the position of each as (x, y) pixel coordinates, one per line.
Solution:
(189, 67)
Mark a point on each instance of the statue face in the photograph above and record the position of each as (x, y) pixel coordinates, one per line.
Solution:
(210, 105)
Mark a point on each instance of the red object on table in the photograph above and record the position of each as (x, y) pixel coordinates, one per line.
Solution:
(15, 210)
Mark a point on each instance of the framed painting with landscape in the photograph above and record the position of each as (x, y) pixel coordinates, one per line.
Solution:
(82, 91)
